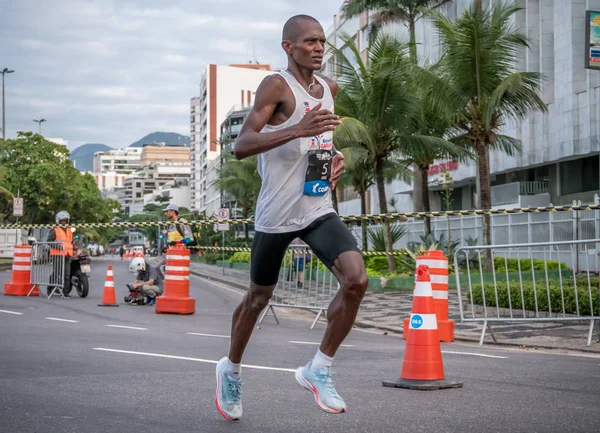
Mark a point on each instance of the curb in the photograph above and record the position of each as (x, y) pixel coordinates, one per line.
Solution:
(359, 324)
(5, 266)
(227, 281)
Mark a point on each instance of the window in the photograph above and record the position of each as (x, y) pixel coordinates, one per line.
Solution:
(580, 175)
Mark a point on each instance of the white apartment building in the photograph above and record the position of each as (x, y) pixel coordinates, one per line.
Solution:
(222, 87)
(560, 159)
(150, 179)
(122, 161)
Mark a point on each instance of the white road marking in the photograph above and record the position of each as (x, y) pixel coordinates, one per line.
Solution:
(474, 354)
(127, 327)
(312, 343)
(56, 319)
(185, 358)
(11, 312)
(208, 335)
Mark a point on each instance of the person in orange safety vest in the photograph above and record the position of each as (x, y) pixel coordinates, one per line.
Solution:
(65, 237)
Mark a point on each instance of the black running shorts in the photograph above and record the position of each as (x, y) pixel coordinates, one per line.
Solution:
(327, 236)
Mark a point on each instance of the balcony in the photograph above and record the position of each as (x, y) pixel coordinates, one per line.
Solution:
(512, 193)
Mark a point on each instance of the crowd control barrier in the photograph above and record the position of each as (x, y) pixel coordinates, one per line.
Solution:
(48, 270)
(304, 283)
(547, 281)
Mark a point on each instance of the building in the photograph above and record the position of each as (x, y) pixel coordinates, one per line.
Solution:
(59, 141)
(150, 179)
(230, 130)
(221, 88)
(122, 161)
(559, 162)
(163, 152)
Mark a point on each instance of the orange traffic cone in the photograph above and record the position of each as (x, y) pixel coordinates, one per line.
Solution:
(438, 272)
(21, 274)
(108, 296)
(422, 368)
(176, 298)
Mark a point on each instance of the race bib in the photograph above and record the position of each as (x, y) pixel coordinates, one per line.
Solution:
(316, 181)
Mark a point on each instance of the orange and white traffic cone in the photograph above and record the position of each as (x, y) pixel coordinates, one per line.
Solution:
(176, 298)
(108, 296)
(21, 274)
(438, 271)
(423, 368)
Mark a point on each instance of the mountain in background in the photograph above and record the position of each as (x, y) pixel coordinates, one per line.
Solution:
(171, 138)
(83, 156)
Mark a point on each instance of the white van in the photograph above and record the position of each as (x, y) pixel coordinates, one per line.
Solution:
(11, 237)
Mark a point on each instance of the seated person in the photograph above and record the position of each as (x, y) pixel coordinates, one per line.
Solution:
(148, 280)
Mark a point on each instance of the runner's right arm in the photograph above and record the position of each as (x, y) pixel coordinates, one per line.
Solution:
(268, 96)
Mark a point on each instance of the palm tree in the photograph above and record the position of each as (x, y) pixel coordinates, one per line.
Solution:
(432, 121)
(378, 106)
(241, 181)
(480, 85)
(389, 11)
(360, 175)
(408, 12)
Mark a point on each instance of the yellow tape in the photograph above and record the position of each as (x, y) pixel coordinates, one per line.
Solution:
(352, 218)
(247, 250)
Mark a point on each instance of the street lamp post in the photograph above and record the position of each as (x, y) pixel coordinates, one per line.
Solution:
(39, 122)
(4, 72)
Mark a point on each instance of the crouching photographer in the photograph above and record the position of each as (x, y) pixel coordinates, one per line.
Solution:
(148, 282)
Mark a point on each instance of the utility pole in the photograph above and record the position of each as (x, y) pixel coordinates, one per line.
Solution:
(4, 72)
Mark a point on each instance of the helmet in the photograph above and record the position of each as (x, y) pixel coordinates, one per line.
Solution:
(137, 264)
(62, 215)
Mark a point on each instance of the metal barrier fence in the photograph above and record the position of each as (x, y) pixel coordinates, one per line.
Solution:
(545, 281)
(304, 283)
(47, 269)
(506, 228)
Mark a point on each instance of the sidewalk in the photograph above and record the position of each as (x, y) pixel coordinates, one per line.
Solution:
(386, 311)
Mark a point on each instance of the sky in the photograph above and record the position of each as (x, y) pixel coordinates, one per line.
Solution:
(112, 71)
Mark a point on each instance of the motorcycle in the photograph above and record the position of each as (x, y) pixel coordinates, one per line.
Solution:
(80, 269)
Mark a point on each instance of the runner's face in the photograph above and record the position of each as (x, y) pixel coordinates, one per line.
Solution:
(309, 46)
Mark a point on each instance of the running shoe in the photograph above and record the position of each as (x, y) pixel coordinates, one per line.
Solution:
(229, 394)
(321, 385)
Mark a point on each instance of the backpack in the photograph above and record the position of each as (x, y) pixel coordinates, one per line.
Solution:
(194, 242)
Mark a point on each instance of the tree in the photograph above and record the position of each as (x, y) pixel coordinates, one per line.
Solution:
(481, 87)
(408, 12)
(379, 105)
(390, 11)
(43, 175)
(240, 180)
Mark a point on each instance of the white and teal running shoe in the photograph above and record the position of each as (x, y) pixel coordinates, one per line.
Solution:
(229, 394)
(321, 385)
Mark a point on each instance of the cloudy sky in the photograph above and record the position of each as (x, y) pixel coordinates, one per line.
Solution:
(112, 71)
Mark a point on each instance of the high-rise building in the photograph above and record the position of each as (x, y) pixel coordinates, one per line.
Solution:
(559, 162)
(122, 161)
(221, 88)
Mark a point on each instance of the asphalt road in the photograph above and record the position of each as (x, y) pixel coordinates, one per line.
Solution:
(128, 369)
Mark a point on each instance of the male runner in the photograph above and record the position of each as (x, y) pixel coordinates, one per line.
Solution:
(290, 128)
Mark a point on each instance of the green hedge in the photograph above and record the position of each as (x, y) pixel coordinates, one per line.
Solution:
(500, 265)
(240, 257)
(542, 296)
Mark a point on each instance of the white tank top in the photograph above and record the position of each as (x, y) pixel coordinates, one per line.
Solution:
(281, 206)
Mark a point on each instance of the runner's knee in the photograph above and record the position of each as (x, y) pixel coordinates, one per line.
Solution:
(355, 284)
(258, 297)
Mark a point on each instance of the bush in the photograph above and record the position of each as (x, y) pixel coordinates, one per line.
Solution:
(211, 259)
(500, 264)
(240, 257)
(529, 296)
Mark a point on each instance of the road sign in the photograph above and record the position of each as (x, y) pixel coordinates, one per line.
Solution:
(223, 214)
(222, 227)
(18, 206)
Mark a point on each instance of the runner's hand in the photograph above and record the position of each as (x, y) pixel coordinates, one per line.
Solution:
(317, 122)
(337, 169)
